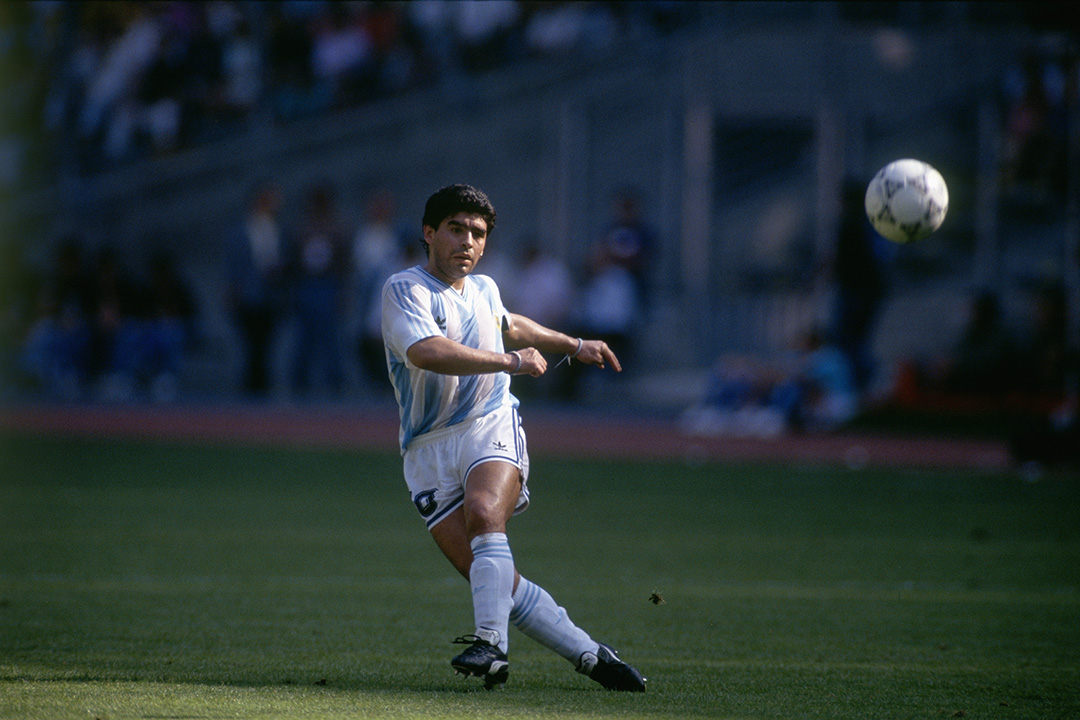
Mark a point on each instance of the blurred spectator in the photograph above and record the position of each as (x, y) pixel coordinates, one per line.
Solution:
(242, 69)
(545, 288)
(132, 38)
(1038, 91)
(738, 400)
(820, 394)
(380, 248)
(55, 351)
(24, 79)
(1053, 439)
(859, 286)
(17, 293)
(813, 390)
(545, 292)
(153, 110)
(105, 331)
(609, 309)
(170, 328)
(628, 242)
(614, 296)
(432, 22)
(117, 309)
(342, 56)
(554, 28)
(290, 46)
(1028, 151)
(255, 256)
(319, 267)
(486, 32)
(983, 361)
(1045, 354)
(394, 46)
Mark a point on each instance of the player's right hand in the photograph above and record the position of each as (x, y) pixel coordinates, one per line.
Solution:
(532, 362)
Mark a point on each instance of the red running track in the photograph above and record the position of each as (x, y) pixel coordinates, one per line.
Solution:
(549, 432)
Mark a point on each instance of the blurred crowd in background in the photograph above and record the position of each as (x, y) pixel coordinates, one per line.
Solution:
(118, 328)
(92, 88)
(117, 80)
(1040, 93)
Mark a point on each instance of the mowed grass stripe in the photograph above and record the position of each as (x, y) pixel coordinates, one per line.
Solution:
(904, 593)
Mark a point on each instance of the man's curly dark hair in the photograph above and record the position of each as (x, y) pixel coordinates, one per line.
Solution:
(452, 199)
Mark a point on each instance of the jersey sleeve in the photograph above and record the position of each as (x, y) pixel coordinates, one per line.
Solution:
(406, 315)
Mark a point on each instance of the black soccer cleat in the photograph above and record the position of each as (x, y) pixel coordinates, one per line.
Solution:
(606, 668)
(483, 660)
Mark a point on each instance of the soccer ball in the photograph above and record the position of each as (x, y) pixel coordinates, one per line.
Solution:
(907, 200)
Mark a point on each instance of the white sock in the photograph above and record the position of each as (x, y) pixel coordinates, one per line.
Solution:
(537, 615)
(491, 576)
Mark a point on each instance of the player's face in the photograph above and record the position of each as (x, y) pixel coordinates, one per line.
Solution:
(455, 247)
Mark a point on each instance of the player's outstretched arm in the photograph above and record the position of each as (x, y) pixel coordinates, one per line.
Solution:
(526, 333)
(442, 355)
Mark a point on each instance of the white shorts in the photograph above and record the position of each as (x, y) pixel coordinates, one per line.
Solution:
(438, 463)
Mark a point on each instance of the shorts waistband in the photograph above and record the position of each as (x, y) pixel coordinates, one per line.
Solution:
(435, 435)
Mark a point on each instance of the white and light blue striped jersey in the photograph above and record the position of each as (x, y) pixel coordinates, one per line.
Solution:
(417, 305)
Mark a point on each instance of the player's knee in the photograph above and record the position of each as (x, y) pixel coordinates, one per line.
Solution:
(484, 522)
(484, 513)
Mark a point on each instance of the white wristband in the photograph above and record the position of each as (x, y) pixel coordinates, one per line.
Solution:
(566, 358)
(516, 354)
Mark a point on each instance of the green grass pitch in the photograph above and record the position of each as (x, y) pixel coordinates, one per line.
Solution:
(163, 580)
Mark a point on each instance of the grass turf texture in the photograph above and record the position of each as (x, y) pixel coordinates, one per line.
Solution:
(163, 580)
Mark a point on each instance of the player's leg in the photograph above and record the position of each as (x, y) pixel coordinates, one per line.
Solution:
(492, 490)
(473, 538)
(450, 536)
(534, 612)
(453, 538)
(538, 616)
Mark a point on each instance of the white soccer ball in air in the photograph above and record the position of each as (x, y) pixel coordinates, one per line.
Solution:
(907, 200)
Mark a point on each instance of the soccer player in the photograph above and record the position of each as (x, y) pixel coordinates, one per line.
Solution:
(445, 330)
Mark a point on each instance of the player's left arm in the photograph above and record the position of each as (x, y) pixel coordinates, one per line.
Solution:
(524, 332)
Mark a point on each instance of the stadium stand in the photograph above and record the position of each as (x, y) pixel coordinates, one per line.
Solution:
(738, 122)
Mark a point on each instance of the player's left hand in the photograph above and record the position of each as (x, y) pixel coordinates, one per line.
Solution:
(597, 352)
